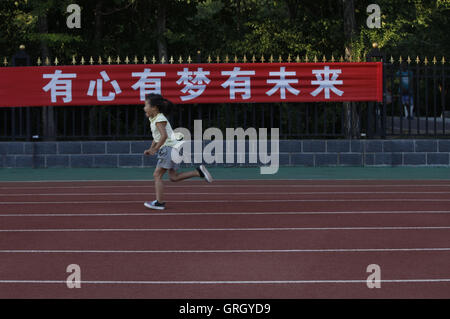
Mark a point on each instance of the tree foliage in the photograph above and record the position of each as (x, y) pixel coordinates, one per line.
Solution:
(222, 27)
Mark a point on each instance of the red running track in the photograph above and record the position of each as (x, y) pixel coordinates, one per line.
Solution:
(231, 239)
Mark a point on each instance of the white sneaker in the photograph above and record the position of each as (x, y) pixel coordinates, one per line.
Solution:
(155, 205)
(204, 173)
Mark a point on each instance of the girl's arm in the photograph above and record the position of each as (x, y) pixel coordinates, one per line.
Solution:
(156, 146)
(161, 126)
(147, 151)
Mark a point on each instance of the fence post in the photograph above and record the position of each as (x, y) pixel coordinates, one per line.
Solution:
(21, 58)
(383, 112)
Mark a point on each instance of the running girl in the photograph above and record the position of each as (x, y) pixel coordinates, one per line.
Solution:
(163, 141)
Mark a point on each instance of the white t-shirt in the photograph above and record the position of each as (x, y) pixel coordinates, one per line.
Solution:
(170, 141)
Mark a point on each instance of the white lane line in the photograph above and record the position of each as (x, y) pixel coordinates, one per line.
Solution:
(222, 251)
(150, 186)
(224, 282)
(236, 201)
(150, 214)
(228, 180)
(197, 181)
(216, 193)
(219, 229)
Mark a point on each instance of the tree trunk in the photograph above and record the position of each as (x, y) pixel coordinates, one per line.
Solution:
(161, 29)
(94, 112)
(351, 116)
(98, 27)
(48, 116)
(292, 6)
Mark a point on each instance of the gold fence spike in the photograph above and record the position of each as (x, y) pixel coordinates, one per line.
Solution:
(109, 60)
(297, 59)
(341, 59)
(82, 61)
(227, 59)
(218, 59)
(289, 59)
(434, 60)
(392, 60)
(144, 60)
(400, 60)
(417, 60)
(180, 60)
(443, 60)
(324, 59)
(47, 61)
(153, 59)
(425, 61)
(350, 59)
(253, 59)
(163, 59)
(5, 61)
(235, 59)
(56, 61)
(135, 60)
(244, 59)
(209, 59)
(118, 60)
(315, 59)
(74, 61)
(91, 61)
(100, 60)
(262, 58)
(332, 58)
(39, 61)
(280, 59)
(171, 60)
(271, 58)
(127, 60)
(189, 59)
(408, 60)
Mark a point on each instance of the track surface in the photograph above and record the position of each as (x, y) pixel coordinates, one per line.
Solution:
(231, 239)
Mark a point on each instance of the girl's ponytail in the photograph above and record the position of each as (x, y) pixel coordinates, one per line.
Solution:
(164, 105)
(167, 106)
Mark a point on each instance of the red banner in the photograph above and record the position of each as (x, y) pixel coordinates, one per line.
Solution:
(191, 83)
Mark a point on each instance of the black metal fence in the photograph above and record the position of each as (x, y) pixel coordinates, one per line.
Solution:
(129, 122)
(428, 94)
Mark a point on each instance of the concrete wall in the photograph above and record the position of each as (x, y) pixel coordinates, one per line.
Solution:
(292, 152)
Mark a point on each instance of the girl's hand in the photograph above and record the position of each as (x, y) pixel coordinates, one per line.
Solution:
(150, 151)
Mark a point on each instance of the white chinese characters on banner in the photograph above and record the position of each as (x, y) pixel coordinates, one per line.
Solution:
(238, 83)
(59, 87)
(111, 96)
(325, 83)
(193, 85)
(149, 82)
(282, 84)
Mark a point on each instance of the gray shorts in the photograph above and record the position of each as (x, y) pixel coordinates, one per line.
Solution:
(165, 158)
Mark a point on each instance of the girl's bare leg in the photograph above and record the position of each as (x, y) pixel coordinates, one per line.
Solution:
(159, 185)
(177, 177)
